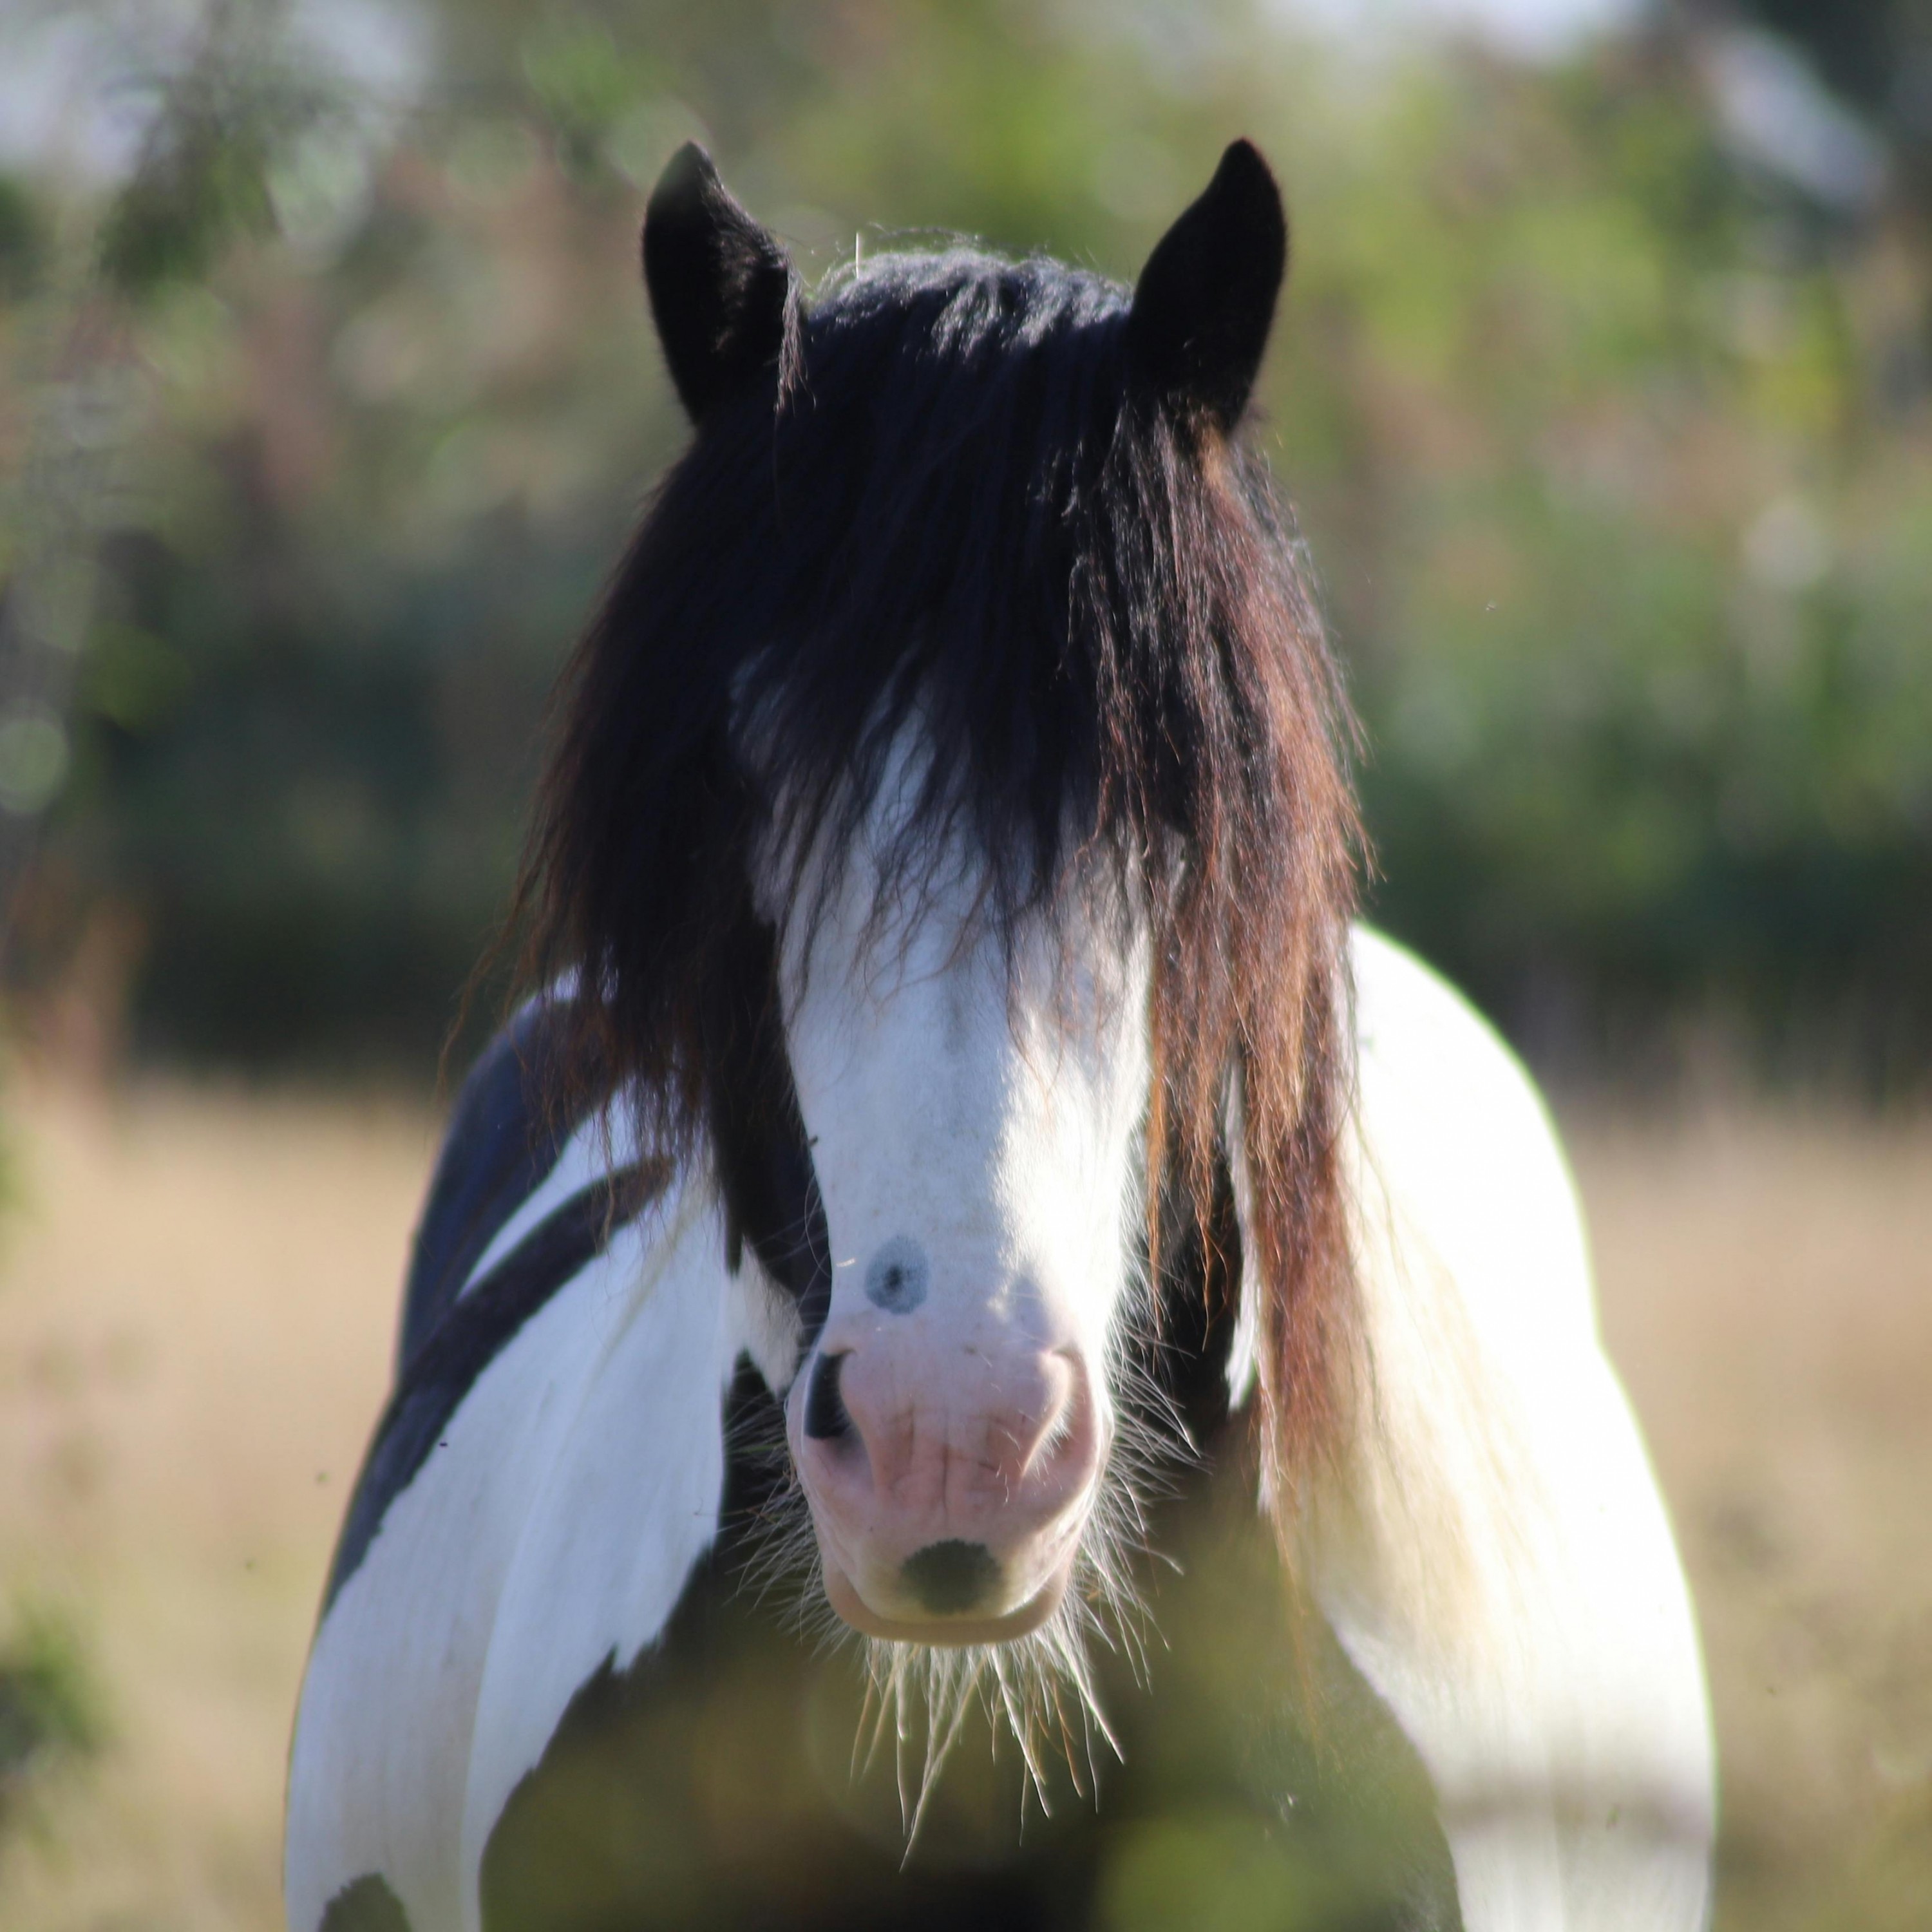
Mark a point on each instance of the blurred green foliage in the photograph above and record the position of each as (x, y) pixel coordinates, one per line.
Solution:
(50, 1702)
(23, 243)
(1614, 454)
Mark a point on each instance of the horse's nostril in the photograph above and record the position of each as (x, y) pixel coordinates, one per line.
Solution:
(951, 1576)
(825, 1418)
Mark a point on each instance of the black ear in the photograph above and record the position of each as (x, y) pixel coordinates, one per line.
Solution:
(1206, 298)
(719, 284)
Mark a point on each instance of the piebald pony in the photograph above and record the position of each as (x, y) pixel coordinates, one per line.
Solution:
(962, 1178)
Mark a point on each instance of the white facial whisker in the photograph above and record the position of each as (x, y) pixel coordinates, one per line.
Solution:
(1041, 1686)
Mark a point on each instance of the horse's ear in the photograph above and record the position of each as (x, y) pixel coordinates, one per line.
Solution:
(719, 284)
(1206, 298)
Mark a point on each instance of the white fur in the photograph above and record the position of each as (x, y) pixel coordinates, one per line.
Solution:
(580, 1483)
(973, 1097)
(1498, 1562)
(1000, 1135)
(586, 1155)
(1502, 1570)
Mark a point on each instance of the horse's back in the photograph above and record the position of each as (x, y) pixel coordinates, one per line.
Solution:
(1504, 1572)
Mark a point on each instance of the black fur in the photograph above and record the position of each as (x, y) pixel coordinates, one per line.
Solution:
(501, 1143)
(758, 1148)
(999, 500)
(966, 487)
(473, 1332)
(368, 1905)
(720, 286)
(1205, 301)
(710, 1787)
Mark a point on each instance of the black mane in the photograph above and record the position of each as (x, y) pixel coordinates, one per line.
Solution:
(902, 523)
(958, 504)
(951, 495)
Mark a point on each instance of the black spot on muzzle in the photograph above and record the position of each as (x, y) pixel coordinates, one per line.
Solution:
(896, 1279)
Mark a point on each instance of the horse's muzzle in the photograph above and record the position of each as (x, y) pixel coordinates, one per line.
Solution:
(949, 1485)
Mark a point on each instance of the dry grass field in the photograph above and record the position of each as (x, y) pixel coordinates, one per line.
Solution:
(197, 1293)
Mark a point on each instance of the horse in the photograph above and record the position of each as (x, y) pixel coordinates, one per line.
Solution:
(980, 1352)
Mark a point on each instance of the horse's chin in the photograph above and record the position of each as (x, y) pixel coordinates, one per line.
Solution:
(946, 1633)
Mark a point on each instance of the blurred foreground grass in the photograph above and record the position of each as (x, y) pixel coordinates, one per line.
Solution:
(196, 1303)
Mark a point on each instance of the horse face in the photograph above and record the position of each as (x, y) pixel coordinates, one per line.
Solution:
(972, 1102)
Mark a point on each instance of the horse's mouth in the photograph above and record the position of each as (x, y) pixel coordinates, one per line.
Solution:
(943, 1629)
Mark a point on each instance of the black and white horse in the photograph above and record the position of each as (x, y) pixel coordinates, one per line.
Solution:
(978, 1355)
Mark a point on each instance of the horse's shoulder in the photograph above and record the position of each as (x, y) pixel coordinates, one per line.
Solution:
(543, 1483)
(1507, 1579)
(1455, 1142)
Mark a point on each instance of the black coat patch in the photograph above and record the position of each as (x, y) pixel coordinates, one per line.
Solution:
(471, 1333)
(501, 1143)
(366, 1906)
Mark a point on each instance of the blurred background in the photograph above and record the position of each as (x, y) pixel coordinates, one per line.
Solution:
(1603, 389)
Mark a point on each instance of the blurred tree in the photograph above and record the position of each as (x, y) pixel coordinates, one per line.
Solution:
(1877, 54)
(1615, 454)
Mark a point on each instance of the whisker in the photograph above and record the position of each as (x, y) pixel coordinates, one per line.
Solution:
(1041, 1688)
(934, 1760)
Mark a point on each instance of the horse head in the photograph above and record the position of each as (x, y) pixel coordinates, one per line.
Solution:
(947, 824)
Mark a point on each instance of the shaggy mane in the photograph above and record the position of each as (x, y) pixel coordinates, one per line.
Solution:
(945, 506)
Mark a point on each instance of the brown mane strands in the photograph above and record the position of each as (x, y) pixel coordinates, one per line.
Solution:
(1001, 503)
